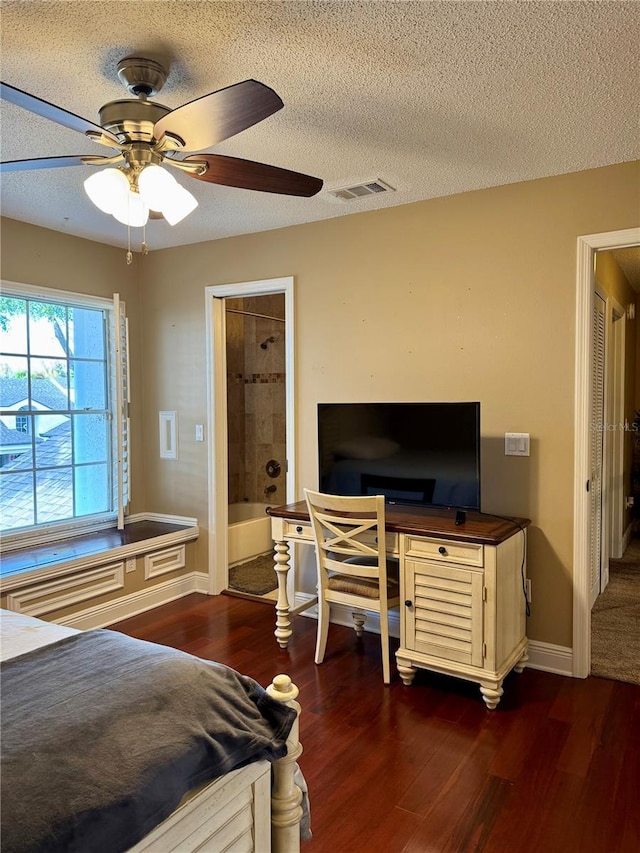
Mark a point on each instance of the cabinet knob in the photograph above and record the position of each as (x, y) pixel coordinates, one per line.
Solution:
(408, 603)
(298, 529)
(442, 550)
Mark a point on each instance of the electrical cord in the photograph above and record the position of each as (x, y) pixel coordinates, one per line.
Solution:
(524, 554)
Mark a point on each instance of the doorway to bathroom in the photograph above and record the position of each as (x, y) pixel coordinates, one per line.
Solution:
(256, 437)
(250, 423)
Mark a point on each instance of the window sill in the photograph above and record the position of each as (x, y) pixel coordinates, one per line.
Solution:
(25, 566)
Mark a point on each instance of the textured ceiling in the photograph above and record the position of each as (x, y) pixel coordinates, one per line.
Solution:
(434, 98)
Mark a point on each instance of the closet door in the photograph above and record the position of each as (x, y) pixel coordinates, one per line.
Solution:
(597, 442)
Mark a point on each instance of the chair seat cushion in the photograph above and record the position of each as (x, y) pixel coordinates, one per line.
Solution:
(366, 587)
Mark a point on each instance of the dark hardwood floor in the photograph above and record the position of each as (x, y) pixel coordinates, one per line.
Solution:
(426, 768)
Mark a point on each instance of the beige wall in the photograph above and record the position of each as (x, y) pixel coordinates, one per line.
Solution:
(469, 297)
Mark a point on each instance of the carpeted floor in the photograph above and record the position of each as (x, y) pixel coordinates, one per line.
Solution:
(256, 577)
(615, 621)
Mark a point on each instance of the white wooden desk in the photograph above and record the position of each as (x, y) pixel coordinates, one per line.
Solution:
(462, 588)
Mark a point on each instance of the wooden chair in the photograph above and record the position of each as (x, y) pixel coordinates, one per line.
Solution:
(353, 568)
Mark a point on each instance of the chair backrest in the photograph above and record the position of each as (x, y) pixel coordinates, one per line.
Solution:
(349, 529)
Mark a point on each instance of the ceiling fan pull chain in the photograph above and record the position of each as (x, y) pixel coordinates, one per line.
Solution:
(129, 253)
(144, 247)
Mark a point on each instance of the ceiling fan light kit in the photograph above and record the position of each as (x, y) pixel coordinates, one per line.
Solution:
(182, 203)
(106, 189)
(132, 211)
(130, 196)
(145, 135)
(156, 185)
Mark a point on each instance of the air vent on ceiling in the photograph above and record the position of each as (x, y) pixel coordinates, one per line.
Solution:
(361, 190)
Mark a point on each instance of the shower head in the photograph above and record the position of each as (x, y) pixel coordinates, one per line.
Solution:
(270, 340)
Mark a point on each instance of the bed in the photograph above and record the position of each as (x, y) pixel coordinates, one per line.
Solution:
(111, 744)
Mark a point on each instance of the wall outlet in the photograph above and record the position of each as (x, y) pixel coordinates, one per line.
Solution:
(528, 589)
(130, 564)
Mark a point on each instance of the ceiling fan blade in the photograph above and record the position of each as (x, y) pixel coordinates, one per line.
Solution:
(51, 111)
(51, 162)
(248, 175)
(219, 115)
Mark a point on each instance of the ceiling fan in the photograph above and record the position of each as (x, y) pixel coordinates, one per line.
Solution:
(144, 135)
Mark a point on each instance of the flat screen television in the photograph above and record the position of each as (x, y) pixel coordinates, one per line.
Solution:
(413, 453)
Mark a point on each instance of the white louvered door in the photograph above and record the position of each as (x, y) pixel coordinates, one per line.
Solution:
(597, 432)
(446, 619)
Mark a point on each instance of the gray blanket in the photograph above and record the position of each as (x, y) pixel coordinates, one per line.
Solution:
(103, 734)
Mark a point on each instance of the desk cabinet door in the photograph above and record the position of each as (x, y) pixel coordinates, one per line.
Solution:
(445, 618)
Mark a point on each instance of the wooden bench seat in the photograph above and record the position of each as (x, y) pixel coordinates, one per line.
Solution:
(137, 537)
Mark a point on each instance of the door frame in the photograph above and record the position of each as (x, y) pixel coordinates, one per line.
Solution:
(216, 364)
(587, 246)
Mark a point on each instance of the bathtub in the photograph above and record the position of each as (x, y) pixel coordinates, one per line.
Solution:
(248, 532)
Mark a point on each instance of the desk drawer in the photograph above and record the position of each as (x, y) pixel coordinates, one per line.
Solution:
(302, 530)
(390, 545)
(444, 550)
(293, 529)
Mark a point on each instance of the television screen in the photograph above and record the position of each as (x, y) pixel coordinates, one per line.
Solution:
(412, 453)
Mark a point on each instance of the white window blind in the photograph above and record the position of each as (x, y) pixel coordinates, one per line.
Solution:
(120, 338)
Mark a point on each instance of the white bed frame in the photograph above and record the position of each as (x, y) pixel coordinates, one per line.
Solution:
(255, 809)
(242, 811)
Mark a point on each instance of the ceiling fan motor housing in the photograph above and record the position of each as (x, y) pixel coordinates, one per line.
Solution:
(132, 120)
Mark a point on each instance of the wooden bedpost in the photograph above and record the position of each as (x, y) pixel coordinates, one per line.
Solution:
(286, 796)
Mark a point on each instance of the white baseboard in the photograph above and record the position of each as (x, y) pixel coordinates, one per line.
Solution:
(543, 656)
(184, 520)
(102, 615)
(550, 658)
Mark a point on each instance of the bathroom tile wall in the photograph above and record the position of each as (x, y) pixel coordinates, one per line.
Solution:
(256, 399)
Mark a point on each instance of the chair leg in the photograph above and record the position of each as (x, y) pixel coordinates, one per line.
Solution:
(384, 637)
(359, 619)
(323, 629)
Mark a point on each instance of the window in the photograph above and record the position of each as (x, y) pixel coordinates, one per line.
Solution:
(64, 457)
(22, 422)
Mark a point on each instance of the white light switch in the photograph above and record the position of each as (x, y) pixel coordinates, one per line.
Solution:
(199, 432)
(516, 444)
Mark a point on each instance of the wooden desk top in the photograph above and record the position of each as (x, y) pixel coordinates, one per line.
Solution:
(481, 528)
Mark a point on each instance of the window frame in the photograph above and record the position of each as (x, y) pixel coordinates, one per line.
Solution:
(118, 369)
(24, 421)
